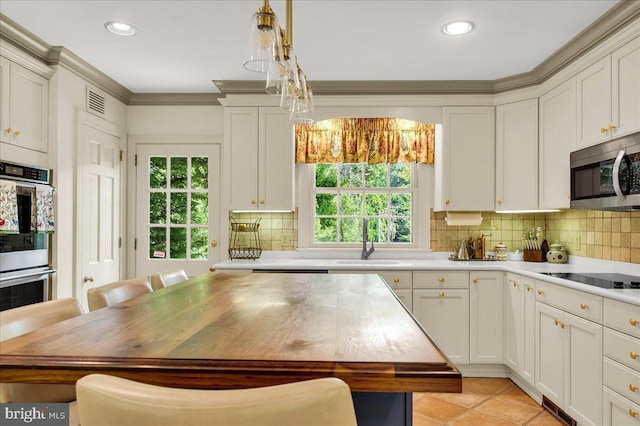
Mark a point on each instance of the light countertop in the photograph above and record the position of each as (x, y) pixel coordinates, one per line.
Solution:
(345, 261)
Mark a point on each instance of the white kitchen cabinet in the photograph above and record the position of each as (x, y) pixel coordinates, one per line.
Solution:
(517, 155)
(24, 119)
(465, 159)
(441, 305)
(569, 363)
(486, 317)
(557, 138)
(608, 97)
(259, 151)
(619, 411)
(520, 327)
(399, 281)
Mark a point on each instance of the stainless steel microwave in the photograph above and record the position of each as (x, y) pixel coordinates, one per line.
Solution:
(607, 176)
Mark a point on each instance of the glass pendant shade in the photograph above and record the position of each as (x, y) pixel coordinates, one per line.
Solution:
(291, 86)
(302, 105)
(265, 43)
(275, 76)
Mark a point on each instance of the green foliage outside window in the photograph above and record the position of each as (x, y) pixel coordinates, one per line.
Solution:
(347, 193)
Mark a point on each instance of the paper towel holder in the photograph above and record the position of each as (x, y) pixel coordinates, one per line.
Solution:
(463, 218)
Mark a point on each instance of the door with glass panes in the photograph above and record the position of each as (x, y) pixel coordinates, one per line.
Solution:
(178, 208)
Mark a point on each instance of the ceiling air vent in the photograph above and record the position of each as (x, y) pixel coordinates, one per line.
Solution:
(95, 102)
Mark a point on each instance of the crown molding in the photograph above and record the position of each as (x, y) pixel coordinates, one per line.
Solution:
(623, 13)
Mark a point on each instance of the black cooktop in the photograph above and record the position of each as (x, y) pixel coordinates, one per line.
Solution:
(604, 280)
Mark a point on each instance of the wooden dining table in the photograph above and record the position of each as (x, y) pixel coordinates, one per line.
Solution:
(230, 331)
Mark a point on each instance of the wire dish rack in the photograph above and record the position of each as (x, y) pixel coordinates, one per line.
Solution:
(245, 240)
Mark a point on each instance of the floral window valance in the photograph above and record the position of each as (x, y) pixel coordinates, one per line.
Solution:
(365, 140)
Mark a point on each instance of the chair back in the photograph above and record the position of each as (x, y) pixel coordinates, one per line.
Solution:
(17, 321)
(107, 400)
(165, 279)
(117, 292)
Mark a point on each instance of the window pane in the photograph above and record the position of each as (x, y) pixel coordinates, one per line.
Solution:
(157, 172)
(199, 243)
(179, 172)
(326, 230)
(157, 242)
(199, 172)
(351, 204)
(375, 176)
(179, 207)
(351, 175)
(158, 207)
(326, 204)
(401, 230)
(200, 208)
(400, 175)
(375, 204)
(178, 243)
(401, 204)
(351, 230)
(377, 230)
(326, 176)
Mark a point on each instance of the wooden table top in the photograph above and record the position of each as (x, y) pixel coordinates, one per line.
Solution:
(224, 331)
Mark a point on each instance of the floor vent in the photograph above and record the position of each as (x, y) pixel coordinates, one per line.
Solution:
(557, 412)
(95, 102)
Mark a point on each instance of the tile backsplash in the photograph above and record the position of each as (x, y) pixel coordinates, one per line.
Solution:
(588, 233)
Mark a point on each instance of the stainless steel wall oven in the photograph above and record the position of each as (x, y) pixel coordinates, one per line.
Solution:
(24, 253)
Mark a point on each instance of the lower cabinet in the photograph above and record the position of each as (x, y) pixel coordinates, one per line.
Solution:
(619, 411)
(568, 368)
(520, 326)
(486, 317)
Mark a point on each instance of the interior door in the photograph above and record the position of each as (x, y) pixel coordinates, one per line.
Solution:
(177, 208)
(99, 206)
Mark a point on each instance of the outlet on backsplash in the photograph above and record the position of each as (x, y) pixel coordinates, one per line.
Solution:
(577, 243)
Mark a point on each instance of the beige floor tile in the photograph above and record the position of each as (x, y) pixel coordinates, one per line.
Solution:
(437, 409)
(473, 418)
(507, 410)
(465, 399)
(515, 394)
(420, 420)
(490, 386)
(544, 419)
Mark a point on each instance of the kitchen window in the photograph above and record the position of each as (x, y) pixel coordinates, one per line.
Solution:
(343, 194)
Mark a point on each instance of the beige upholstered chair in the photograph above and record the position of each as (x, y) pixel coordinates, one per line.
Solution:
(165, 279)
(107, 400)
(22, 320)
(114, 293)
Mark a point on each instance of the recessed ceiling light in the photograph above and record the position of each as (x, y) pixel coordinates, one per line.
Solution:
(457, 28)
(120, 28)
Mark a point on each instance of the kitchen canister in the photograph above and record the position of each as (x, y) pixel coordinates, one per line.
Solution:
(501, 251)
(557, 253)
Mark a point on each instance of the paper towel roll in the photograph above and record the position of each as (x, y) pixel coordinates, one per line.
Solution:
(463, 219)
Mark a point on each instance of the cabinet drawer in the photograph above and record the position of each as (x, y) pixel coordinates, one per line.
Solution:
(619, 411)
(622, 316)
(622, 348)
(585, 305)
(623, 380)
(397, 279)
(441, 279)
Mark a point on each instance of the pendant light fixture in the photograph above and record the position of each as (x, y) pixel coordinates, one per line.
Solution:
(265, 42)
(271, 52)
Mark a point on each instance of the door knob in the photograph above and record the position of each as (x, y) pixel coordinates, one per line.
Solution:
(214, 243)
(87, 279)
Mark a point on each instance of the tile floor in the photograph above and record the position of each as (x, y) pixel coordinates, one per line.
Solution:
(483, 402)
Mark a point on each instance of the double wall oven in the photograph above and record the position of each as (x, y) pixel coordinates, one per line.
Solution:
(24, 253)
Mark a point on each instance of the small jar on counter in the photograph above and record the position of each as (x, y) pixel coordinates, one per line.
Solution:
(501, 251)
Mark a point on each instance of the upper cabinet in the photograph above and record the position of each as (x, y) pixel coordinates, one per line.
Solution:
(464, 163)
(259, 152)
(24, 119)
(557, 138)
(608, 96)
(517, 156)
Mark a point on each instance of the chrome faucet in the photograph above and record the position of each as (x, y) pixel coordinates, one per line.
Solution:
(365, 236)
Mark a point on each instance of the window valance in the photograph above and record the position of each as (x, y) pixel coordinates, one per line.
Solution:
(365, 140)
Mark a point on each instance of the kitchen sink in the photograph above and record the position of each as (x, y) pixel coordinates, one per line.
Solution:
(367, 262)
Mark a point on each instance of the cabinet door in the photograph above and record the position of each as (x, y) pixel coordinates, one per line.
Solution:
(514, 342)
(486, 311)
(465, 169)
(445, 316)
(594, 103)
(5, 71)
(527, 368)
(549, 352)
(275, 165)
(619, 411)
(241, 154)
(557, 140)
(28, 109)
(517, 156)
(583, 370)
(625, 86)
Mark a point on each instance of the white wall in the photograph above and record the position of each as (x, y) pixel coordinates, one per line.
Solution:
(175, 120)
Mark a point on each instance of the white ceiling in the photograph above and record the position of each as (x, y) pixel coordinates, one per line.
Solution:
(182, 46)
